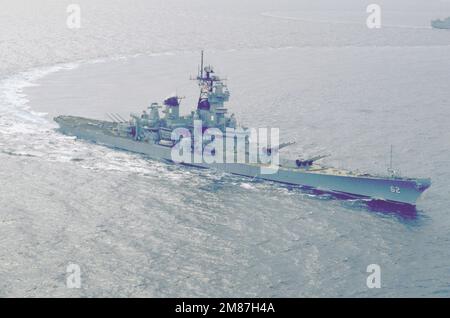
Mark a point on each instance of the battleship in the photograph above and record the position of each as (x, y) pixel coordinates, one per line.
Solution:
(441, 24)
(161, 133)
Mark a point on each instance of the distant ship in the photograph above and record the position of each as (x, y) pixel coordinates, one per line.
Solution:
(152, 134)
(441, 24)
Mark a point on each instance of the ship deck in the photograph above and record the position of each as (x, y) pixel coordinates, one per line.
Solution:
(107, 127)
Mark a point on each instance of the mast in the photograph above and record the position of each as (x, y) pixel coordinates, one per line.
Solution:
(205, 87)
(213, 91)
(390, 162)
(391, 170)
(201, 66)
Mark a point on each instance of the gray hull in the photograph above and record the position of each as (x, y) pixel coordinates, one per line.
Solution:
(438, 24)
(399, 190)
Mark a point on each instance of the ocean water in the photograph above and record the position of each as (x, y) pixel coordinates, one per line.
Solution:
(139, 227)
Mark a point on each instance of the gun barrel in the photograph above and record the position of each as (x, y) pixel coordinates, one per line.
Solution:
(318, 157)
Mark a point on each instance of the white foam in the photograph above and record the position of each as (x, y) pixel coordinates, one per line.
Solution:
(27, 133)
(247, 186)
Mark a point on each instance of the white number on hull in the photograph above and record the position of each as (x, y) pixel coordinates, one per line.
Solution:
(395, 189)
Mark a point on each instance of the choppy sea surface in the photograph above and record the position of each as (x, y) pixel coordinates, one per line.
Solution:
(139, 227)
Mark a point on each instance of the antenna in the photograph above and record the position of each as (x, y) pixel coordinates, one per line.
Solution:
(201, 66)
(391, 170)
(390, 162)
(111, 117)
(120, 117)
(116, 117)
